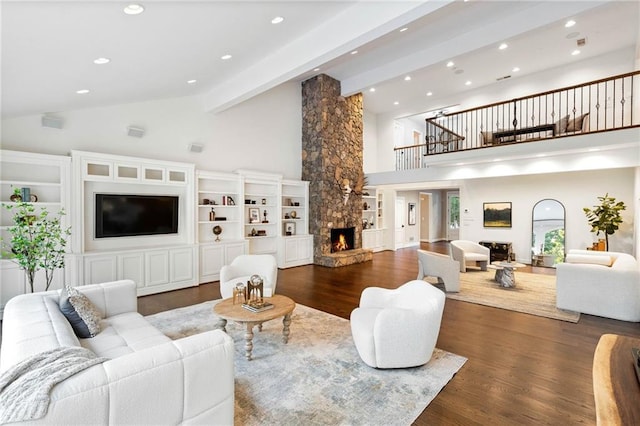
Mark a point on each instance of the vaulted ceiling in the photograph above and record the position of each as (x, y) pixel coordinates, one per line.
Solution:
(49, 48)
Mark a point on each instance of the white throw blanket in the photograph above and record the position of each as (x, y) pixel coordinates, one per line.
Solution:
(25, 387)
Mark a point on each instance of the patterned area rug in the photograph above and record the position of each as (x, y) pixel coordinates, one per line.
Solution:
(317, 378)
(533, 294)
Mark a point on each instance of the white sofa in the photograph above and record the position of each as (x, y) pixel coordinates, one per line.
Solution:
(584, 283)
(439, 266)
(148, 379)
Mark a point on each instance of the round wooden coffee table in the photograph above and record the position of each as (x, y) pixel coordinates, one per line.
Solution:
(282, 307)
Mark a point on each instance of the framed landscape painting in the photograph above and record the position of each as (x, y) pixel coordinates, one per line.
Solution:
(497, 215)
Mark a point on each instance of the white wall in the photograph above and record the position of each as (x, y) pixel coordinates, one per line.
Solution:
(524, 191)
(263, 133)
(370, 140)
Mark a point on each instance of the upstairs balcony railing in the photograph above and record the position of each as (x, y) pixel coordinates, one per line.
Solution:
(597, 106)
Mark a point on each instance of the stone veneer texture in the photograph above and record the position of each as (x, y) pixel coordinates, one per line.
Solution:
(332, 143)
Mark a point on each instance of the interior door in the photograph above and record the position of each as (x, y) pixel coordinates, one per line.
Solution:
(453, 215)
(425, 217)
(400, 217)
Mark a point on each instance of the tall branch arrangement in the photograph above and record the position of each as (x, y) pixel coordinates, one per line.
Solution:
(37, 242)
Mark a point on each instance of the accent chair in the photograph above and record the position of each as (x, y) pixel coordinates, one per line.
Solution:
(439, 266)
(243, 267)
(468, 251)
(398, 328)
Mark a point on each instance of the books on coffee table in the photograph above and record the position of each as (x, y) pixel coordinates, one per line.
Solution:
(258, 308)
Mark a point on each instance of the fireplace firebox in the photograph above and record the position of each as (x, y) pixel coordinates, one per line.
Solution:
(342, 239)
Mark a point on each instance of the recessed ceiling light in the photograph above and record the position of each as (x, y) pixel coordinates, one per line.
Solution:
(82, 91)
(459, 164)
(515, 69)
(407, 78)
(396, 103)
(101, 61)
(429, 93)
(316, 69)
(403, 29)
(192, 81)
(450, 64)
(594, 149)
(495, 160)
(353, 52)
(468, 83)
(277, 20)
(541, 155)
(133, 9)
(575, 52)
(373, 89)
(225, 57)
(570, 23)
(503, 46)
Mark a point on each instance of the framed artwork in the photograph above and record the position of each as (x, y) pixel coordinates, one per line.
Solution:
(289, 228)
(254, 215)
(412, 214)
(497, 215)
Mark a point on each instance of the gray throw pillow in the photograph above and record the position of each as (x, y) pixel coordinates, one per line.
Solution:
(80, 312)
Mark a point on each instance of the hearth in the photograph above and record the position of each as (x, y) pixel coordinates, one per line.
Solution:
(342, 239)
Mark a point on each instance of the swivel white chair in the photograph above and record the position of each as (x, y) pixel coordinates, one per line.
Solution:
(398, 328)
(467, 251)
(439, 266)
(241, 269)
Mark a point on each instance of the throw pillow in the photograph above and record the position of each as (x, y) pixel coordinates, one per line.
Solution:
(593, 259)
(80, 312)
(561, 125)
(575, 125)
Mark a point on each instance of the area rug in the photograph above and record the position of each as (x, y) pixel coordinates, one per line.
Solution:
(317, 378)
(533, 294)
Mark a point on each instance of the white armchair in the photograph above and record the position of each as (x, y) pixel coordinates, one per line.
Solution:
(245, 265)
(440, 266)
(398, 328)
(467, 251)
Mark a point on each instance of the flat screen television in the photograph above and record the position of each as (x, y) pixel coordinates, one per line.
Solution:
(122, 215)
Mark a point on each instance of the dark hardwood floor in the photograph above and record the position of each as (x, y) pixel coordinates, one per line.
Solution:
(521, 369)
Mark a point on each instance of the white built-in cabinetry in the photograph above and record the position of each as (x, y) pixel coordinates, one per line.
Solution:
(296, 244)
(373, 219)
(219, 198)
(155, 262)
(48, 178)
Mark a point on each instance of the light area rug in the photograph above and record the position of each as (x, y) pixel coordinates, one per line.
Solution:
(533, 294)
(317, 378)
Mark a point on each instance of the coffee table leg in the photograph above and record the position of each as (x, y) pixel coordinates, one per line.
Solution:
(222, 323)
(248, 340)
(286, 321)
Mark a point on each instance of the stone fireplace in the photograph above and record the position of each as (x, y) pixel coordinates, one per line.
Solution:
(332, 163)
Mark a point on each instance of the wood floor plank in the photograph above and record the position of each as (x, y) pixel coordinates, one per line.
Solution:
(522, 369)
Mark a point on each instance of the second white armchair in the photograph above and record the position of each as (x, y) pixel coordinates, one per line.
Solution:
(439, 266)
(245, 265)
(467, 251)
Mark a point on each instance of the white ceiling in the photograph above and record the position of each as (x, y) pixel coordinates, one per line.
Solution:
(48, 48)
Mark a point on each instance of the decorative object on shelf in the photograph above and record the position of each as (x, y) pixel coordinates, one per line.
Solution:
(286, 216)
(288, 202)
(217, 230)
(264, 201)
(365, 223)
(206, 201)
(38, 240)
(230, 201)
(412, 214)
(365, 206)
(212, 214)
(254, 215)
(220, 218)
(289, 228)
(293, 214)
(297, 203)
(497, 215)
(16, 198)
(605, 217)
(25, 194)
(247, 201)
(262, 233)
(265, 217)
(34, 198)
(239, 293)
(253, 232)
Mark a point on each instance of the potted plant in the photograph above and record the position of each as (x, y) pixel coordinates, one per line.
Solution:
(38, 240)
(605, 217)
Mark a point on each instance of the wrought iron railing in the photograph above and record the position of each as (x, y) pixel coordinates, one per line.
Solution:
(596, 106)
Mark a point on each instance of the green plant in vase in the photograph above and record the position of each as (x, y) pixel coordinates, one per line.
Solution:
(37, 241)
(605, 217)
